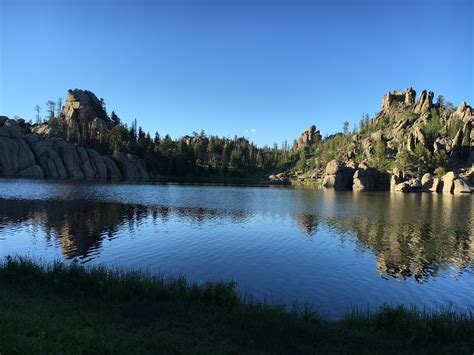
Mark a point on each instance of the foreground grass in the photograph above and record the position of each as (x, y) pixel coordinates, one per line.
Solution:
(69, 309)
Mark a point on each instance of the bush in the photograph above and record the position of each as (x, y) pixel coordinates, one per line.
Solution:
(439, 171)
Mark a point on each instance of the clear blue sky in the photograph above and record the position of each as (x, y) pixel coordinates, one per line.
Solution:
(231, 67)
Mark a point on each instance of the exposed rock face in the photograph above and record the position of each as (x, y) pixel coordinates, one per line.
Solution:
(463, 144)
(47, 157)
(461, 187)
(16, 158)
(395, 179)
(416, 137)
(85, 164)
(112, 170)
(99, 166)
(279, 179)
(437, 185)
(338, 176)
(464, 112)
(84, 116)
(425, 102)
(402, 187)
(395, 99)
(427, 182)
(33, 156)
(308, 137)
(46, 130)
(366, 178)
(448, 181)
(132, 168)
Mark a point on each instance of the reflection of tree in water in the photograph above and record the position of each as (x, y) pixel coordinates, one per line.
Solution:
(81, 225)
(414, 242)
(308, 223)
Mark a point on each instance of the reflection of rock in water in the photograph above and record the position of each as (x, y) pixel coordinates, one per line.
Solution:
(81, 225)
(308, 223)
(414, 236)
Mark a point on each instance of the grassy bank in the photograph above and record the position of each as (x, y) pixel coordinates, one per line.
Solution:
(60, 309)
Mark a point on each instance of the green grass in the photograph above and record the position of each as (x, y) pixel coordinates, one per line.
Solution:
(60, 308)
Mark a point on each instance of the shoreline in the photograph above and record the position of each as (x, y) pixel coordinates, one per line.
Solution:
(58, 307)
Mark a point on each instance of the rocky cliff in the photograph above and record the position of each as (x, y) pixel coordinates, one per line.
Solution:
(409, 137)
(309, 136)
(35, 156)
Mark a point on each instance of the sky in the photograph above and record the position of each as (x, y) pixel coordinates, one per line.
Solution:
(261, 69)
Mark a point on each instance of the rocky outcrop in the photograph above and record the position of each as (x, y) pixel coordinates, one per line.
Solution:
(461, 187)
(463, 144)
(395, 179)
(16, 158)
(309, 136)
(396, 99)
(112, 170)
(84, 116)
(279, 179)
(464, 112)
(427, 182)
(366, 178)
(416, 137)
(452, 183)
(33, 156)
(412, 185)
(425, 102)
(99, 166)
(132, 168)
(46, 130)
(338, 176)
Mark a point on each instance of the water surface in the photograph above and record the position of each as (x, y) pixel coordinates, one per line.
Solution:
(334, 250)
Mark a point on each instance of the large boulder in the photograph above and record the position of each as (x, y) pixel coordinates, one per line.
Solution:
(437, 185)
(338, 176)
(16, 157)
(448, 181)
(46, 130)
(412, 185)
(33, 171)
(366, 178)
(101, 170)
(68, 153)
(86, 166)
(279, 179)
(112, 170)
(395, 179)
(402, 187)
(461, 187)
(47, 157)
(132, 168)
(427, 182)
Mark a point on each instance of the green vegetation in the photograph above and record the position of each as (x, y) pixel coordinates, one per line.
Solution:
(433, 128)
(66, 308)
(421, 160)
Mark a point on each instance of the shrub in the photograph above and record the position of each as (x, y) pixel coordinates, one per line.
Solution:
(439, 171)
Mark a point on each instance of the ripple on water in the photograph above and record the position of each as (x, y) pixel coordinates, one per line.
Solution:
(333, 250)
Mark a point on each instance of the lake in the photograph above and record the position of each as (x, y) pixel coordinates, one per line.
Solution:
(333, 250)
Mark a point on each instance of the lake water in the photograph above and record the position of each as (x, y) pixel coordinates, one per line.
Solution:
(334, 250)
